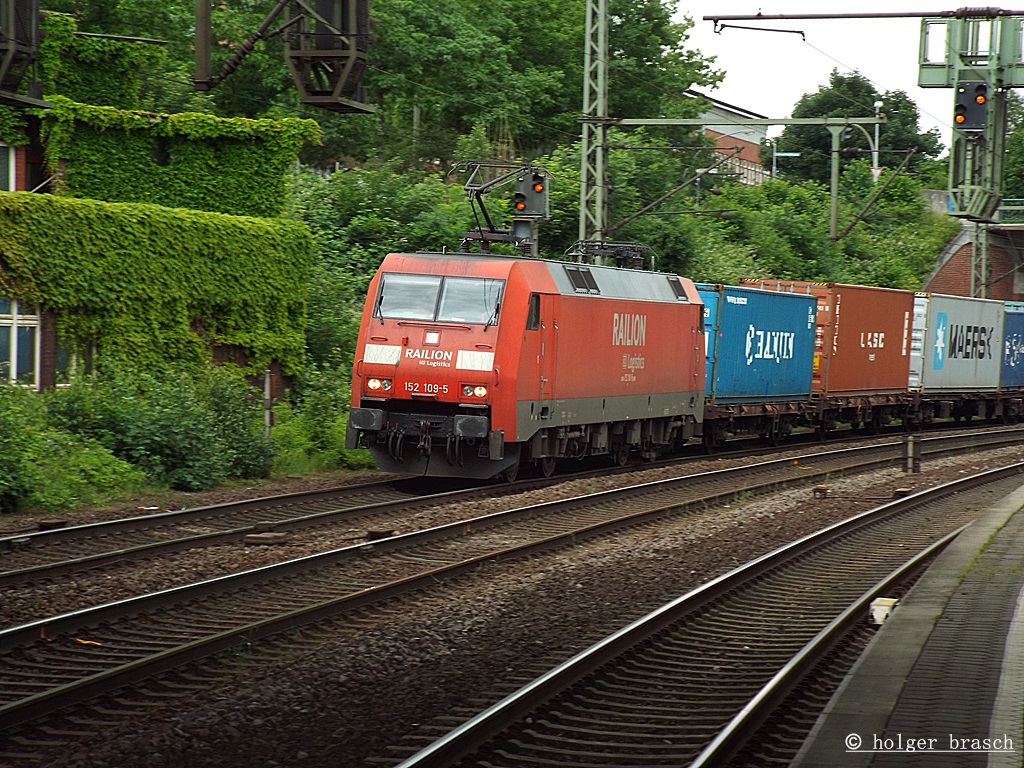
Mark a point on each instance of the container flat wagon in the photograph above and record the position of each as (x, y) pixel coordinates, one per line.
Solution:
(861, 353)
(760, 347)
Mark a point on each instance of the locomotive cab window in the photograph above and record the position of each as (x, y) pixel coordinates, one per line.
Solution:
(432, 298)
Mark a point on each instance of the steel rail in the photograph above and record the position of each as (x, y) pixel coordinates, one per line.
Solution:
(31, 707)
(74, 620)
(103, 531)
(467, 738)
(732, 738)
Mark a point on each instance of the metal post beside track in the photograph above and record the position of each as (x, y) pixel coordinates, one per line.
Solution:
(911, 454)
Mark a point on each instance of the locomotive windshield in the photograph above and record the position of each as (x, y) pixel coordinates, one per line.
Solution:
(439, 299)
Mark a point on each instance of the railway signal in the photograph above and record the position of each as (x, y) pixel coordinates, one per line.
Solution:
(970, 112)
(531, 196)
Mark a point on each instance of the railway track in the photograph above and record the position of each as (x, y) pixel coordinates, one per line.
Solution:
(689, 683)
(53, 554)
(55, 663)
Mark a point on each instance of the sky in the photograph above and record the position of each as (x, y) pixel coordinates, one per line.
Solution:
(768, 72)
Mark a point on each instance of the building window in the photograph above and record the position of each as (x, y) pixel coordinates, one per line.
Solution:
(19, 343)
(6, 168)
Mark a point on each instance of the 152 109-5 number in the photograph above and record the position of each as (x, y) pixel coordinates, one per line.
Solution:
(426, 388)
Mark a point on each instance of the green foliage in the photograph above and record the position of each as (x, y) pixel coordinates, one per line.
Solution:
(514, 68)
(150, 284)
(309, 430)
(473, 145)
(42, 466)
(360, 215)
(188, 430)
(92, 70)
(190, 160)
(854, 96)
(12, 126)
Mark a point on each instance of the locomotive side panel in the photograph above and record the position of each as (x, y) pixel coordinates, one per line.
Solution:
(760, 344)
(601, 357)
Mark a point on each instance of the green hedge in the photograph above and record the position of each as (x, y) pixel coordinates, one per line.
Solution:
(188, 160)
(151, 284)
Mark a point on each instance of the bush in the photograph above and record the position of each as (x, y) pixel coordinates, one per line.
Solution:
(188, 431)
(14, 425)
(309, 430)
(42, 466)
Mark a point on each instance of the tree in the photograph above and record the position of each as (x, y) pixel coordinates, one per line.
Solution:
(854, 96)
(1013, 171)
(436, 70)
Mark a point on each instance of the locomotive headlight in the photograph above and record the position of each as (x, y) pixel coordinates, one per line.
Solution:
(378, 384)
(480, 391)
(467, 390)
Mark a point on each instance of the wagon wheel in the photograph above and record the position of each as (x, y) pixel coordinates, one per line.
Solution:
(546, 466)
(620, 455)
(510, 474)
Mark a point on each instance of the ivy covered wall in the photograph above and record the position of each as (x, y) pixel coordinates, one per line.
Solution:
(186, 160)
(92, 70)
(149, 284)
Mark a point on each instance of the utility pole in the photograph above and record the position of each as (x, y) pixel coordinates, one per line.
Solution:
(594, 140)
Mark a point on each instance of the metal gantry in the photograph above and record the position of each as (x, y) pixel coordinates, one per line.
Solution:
(594, 139)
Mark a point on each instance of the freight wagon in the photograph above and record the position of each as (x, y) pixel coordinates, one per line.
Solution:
(760, 346)
(959, 357)
(862, 352)
(472, 365)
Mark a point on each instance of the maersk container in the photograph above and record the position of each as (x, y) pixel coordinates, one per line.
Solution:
(957, 344)
(760, 344)
(862, 343)
(1012, 376)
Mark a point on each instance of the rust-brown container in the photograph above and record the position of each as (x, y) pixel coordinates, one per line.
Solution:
(862, 339)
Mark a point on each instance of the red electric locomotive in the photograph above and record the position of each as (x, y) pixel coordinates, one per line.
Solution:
(472, 365)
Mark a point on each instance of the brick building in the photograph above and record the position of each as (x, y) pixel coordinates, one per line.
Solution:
(726, 126)
(1005, 281)
(28, 335)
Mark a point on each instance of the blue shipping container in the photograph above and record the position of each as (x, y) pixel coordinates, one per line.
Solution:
(760, 344)
(1012, 374)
